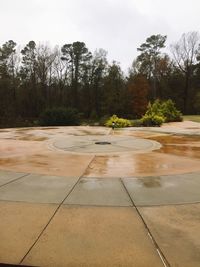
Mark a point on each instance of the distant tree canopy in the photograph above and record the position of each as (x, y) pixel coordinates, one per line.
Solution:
(38, 77)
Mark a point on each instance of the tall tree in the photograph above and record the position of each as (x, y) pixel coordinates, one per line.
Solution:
(77, 55)
(28, 69)
(185, 53)
(149, 58)
(113, 91)
(8, 75)
(28, 74)
(99, 67)
(60, 79)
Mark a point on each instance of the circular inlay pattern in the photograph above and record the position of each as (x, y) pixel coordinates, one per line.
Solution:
(99, 144)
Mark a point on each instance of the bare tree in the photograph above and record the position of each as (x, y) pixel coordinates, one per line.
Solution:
(61, 74)
(185, 53)
(45, 58)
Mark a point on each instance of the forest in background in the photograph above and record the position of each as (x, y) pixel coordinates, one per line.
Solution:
(38, 77)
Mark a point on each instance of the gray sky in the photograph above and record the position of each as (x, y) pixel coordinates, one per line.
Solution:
(118, 26)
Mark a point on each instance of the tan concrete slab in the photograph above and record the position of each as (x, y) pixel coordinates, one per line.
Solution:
(100, 192)
(20, 225)
(7, 176)
(176, 230)
(94, 236)
(164, 190)
(147, 164)
(37, 157)
(38, 189)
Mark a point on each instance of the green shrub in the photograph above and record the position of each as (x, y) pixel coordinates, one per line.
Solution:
(60, 117)
(155, 108)
(119, 122)
(160, 112)
(152, 120)
(170, 112)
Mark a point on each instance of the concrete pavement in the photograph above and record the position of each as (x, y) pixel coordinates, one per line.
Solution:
(91, 209)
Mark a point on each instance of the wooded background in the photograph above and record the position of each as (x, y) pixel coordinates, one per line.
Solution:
(38, 77)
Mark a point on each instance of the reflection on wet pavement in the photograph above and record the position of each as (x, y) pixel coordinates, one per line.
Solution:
(151, 182)
(188, 146)
(164, 190)
(146, 164)
(187, 151)
(27, 149)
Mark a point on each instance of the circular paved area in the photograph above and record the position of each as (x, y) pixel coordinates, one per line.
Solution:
(95, 144)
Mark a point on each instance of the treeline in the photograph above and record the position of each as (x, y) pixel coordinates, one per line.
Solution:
(38, 77)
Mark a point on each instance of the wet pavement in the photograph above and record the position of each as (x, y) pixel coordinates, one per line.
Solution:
(67, 201)
(176, 230)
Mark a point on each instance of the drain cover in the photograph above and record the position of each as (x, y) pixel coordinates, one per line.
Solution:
(103, 143)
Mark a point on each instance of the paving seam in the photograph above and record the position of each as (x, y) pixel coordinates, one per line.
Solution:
(169, 204)
(158, 250)
(79, 205)
(96, 206)
(15, 179)
(57, 209)
(112, 206)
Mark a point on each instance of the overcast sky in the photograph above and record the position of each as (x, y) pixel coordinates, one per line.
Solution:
(118, 26)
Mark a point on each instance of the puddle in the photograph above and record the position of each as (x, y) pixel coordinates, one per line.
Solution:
(175, 139)
(186, 151)
(187, 146)
(151, 182)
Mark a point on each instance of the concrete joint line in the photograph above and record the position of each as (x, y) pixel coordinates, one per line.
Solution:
(15, 179)
(55, 212)
(155, 244)
(161, 257)
(169, 204)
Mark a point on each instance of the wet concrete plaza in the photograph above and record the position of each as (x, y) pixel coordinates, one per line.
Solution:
(90, 196)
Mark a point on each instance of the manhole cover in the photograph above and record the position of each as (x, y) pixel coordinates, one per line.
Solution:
(103, 143)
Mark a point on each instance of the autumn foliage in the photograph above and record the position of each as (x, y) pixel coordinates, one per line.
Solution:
(138, 88)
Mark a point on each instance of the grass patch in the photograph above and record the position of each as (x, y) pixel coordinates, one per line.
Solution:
(195, 118)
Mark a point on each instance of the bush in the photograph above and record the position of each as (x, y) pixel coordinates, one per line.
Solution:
(60, 117)
(170, 112)
(119, 122)
(160, 112)
(152, 120)
(155, 108)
